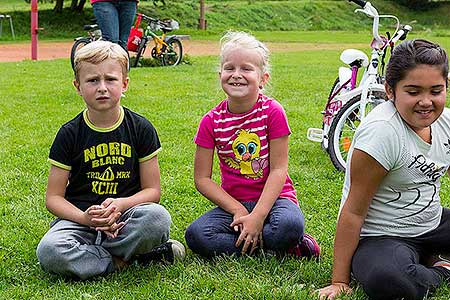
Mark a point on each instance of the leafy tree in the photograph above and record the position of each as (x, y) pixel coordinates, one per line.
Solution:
(420, 4)
(76, 5)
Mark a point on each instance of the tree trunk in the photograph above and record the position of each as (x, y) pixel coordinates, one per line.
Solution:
(201, 20)
(73, 5)
(58, 6)
(81, 5)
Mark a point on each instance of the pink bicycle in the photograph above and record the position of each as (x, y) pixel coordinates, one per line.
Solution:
(349, 101)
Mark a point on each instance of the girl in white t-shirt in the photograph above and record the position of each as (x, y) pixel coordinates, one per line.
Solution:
(391, 223)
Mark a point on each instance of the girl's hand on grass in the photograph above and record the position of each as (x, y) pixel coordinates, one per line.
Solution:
(333, 290)
(251, 232)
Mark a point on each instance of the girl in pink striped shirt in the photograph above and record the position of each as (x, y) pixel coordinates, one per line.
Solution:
(257, 204)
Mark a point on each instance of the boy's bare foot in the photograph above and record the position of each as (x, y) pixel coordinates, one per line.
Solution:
(119, 263)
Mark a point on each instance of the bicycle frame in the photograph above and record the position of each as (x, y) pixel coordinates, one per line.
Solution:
(159, 41)
(167, 48)
(370, 81)
(347, 94)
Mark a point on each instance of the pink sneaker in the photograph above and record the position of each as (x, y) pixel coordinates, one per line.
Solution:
(308, 248)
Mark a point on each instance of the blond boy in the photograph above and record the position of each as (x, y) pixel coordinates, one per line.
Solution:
(104, 180)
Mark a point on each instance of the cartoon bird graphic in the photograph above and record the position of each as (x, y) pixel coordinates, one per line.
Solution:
(246, 148)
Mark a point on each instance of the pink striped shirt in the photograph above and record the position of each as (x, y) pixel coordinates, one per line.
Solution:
(242, 145)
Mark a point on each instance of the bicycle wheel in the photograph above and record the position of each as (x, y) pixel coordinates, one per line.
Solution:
(344, 126)
(328, 119)
(173, 54)
(329, 112)
(336, 85)
(140, 51)
(79, 43)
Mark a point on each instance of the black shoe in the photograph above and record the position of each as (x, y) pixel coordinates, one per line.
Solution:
(167, 253)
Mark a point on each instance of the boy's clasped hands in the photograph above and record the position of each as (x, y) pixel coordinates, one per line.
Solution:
(104, 217)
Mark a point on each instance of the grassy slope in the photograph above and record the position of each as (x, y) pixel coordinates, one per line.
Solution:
(222, 15)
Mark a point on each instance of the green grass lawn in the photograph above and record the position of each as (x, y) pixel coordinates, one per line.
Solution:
(37, 97)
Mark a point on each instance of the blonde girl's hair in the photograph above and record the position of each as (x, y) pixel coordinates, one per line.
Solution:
(244, 40)
(99, 51)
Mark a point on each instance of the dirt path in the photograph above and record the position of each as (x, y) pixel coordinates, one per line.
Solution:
(54, 50)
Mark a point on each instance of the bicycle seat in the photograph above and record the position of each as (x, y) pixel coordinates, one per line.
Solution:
(168, 25)
(351, 56)
(90, 27)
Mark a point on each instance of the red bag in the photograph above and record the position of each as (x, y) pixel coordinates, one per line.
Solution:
(134, 39)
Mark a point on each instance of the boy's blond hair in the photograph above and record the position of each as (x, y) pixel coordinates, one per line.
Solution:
(244, 40)
(99, 51)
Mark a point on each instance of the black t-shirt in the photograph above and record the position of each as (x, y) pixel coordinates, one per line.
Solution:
(103, 162)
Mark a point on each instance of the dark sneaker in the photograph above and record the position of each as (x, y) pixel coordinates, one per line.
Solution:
(308, 248)
(168, 252)
(442, 261)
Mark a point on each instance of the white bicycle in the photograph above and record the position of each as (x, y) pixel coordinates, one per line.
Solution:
(349, 102)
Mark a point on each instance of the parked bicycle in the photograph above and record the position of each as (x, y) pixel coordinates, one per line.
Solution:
(94, 34)
(348, 102)
(167, 48)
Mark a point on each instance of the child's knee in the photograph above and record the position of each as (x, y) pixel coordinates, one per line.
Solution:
(285, 233)
(49, 254)
(191, 235)
(196, 239)
(391, 284)
(290, 228)
(153, 216)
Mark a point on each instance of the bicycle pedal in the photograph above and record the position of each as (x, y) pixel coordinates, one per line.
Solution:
(315, 134)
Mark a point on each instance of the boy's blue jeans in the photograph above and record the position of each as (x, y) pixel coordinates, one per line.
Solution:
(115, 20)
(211, 234)
(74, 250)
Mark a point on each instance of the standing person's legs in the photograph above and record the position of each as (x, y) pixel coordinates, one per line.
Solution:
(283, 227)
(146, 226)
(127, 12)
(388, 268)
(107, 16)
(73, 250)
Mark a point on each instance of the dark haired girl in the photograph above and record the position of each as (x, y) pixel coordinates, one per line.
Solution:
(391, 222)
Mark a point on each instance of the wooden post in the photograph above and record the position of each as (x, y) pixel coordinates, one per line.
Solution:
(201, 20)
(34, 29)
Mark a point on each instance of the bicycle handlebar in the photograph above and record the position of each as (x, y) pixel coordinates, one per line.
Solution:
(371, 11)
(150, 19)
(157, 24)
(361, 3)
(401, 34)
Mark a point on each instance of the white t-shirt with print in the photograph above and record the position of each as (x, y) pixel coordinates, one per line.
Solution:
(407, 202)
